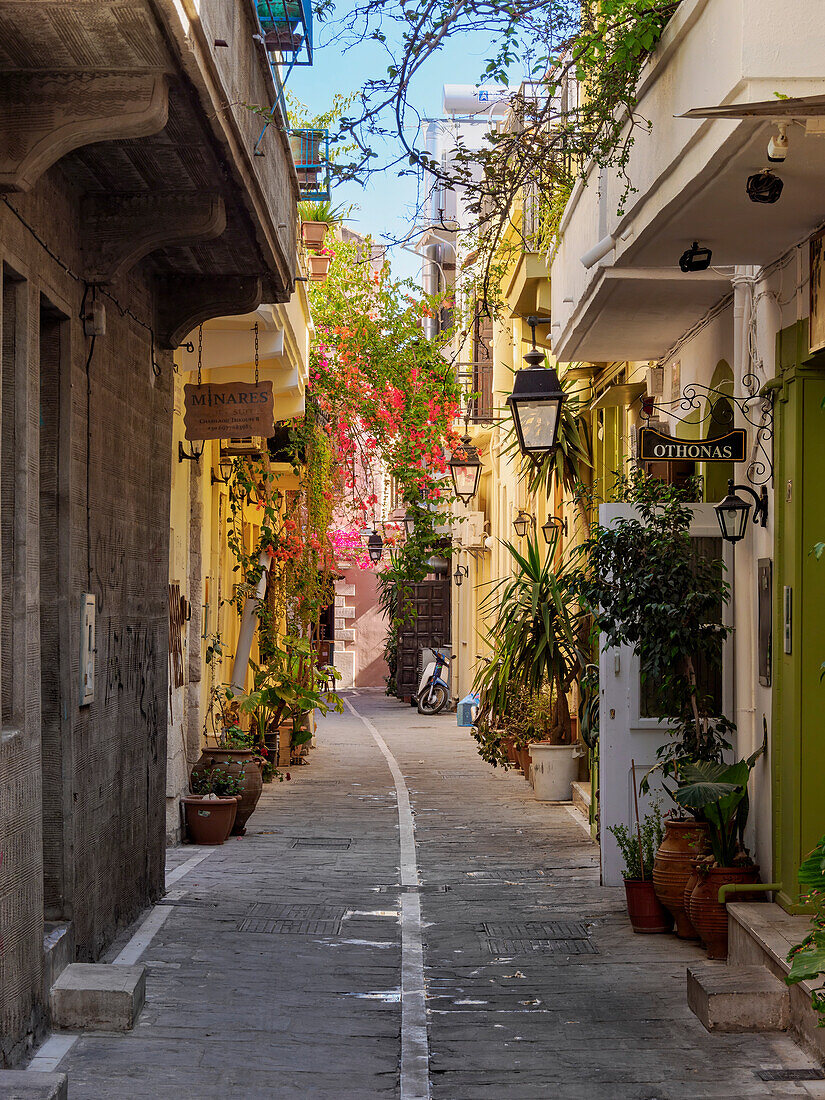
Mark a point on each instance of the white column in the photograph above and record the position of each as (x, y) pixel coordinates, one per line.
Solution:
(248, 623)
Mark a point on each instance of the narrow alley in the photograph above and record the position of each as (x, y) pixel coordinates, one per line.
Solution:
(278, 961)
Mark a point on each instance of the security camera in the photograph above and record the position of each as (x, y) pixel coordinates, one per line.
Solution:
(778, 145)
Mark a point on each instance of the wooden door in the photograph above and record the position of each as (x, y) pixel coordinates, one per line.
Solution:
(427, 625)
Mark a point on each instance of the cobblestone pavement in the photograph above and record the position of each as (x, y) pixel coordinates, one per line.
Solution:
(277, 973)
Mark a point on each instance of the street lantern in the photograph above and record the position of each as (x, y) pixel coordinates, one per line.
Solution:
(553, 525)
(461, 571)
(522, 523)
(375, 547)
(733, 512)
(536, 403)
(465, 470)
(409, 524)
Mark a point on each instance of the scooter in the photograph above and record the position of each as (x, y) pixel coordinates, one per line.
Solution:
(433, 690)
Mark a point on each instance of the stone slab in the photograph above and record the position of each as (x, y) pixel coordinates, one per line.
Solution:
(18, 1084)
(737, 998)
(58, 952)
(98, 997)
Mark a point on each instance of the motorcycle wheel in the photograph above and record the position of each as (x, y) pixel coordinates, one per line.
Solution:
(436, 703)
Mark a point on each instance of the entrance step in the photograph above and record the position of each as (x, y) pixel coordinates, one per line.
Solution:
(98, 997)
(737, 998)
(58, 951)
(582, 797)
(762, 933)
(18, 1084)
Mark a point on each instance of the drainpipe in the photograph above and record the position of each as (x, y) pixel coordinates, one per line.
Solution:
(249, 619)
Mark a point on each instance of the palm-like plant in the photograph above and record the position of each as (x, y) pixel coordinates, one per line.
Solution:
(534, 637)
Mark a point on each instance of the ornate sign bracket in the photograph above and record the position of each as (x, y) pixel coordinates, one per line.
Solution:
(755, 409)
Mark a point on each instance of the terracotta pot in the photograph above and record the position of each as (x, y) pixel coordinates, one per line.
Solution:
(523, 758)
(510, 749)
(319, 268)
(209, 820)
(709, 918)
(647, 914)
(684, 842)
(690, 886)
(313, 233)
(235, 761)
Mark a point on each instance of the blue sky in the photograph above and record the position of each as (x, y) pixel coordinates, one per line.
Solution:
(387, 204)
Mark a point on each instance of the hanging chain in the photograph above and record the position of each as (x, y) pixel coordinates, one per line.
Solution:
(256, 353)
(200, 351)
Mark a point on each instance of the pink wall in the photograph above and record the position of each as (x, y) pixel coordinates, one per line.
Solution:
(369, 627)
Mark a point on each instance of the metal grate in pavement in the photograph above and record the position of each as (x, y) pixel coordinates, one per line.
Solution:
(332, 843)
(267, 926)
(790, 1074)
(540, 947)
(441, 888)
(295, 911)
(538, 938)
(507, 876)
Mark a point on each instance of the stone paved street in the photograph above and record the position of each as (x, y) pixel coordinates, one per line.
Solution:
(278, 970)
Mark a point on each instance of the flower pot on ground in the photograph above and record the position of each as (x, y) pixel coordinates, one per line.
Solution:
(523, 759)
(707, 914)
(209, 820)
(638, 847)
(646, 912)
(555, 767)
(242, 765)
(684, 842)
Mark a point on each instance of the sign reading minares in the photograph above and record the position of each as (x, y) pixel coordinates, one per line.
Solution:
(228, 410)
(655, 447)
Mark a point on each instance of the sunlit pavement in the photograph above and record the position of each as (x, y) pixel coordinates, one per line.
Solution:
(278, 972)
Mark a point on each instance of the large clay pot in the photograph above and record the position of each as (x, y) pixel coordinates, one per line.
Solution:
(209, 820)
(647, 914)
(684, 842)
(690, 886)
(523, 758)
(510, 749)
(235, 761)
(708, 916)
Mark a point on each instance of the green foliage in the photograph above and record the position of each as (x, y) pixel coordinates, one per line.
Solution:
(323, 211)
(718, 793)
(652, 830)
(647, 589)
(807, 958)
(534, 638)
(216, 780)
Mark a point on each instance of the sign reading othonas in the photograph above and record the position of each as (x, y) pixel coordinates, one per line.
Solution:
(655, 447)
(228, 410)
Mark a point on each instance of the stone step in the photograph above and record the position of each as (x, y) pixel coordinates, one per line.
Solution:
(18, 1084)
(737, 998)
(58, 951)
(582, 797)
(98, 997)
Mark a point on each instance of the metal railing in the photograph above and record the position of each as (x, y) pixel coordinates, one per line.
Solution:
(477, 379)
(286, 27)
(310, 151)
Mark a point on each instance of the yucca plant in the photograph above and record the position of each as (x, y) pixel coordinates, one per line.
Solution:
(534, 637)
(322, 211)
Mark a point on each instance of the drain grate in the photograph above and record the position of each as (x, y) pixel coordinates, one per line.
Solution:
(437, 889)
(790, 1074)
(295, 911)
(331, 843)
(267, 926)
(540, 947)
(538, 938)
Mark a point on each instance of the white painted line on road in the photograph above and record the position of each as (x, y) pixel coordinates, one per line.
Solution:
(186, 867)
(415, 1058)
(52, 1053)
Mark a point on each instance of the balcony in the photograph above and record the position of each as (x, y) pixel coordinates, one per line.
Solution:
(310, 152)
(689, 177)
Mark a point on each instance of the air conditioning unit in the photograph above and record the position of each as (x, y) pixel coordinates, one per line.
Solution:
(243, 445)
(469, 530)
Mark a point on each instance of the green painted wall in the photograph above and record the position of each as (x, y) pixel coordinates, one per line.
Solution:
(798, 743)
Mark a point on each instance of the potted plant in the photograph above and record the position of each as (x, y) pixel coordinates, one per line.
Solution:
(235, 752)
(211, 807)
(807, 958)
(316, 218)
(720, 793)
(319, 265)
(535, 657)
(638, 848)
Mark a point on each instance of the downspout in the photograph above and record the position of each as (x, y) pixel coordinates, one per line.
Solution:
(249, 619)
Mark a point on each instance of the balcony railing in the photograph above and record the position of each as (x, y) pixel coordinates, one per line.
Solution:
(286, 27)
(477, 379)
(310, 151)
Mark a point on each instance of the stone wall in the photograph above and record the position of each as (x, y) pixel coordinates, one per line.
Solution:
(84, 488)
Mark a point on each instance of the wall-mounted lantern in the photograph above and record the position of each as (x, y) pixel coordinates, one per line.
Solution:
(733, 512)
(465, 470)
(536, 401)
(375, 547)
(552, 528)
(461, 571)
(523, 523)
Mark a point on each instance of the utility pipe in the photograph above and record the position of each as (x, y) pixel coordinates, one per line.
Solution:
(243, 650)
(746, 888)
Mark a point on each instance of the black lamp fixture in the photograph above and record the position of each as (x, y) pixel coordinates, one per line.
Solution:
(409, 524)
(764, 186)
(523, 522)
(375, 547)
(733, 512)
(536, 401)
(226, 466)
(461, 571)
(465, 469)
(695, 259)
(553, 526)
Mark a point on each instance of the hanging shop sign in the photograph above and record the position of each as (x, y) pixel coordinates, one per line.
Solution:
(655, 447)
(229, 410)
